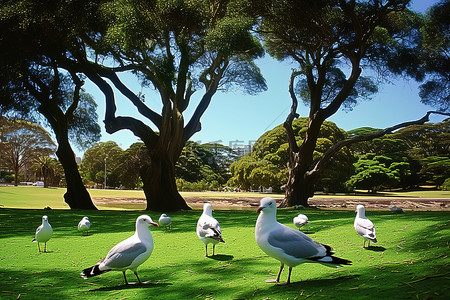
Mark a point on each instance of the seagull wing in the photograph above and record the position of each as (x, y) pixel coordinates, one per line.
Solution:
(39, 228)
(365, 228)
(295, 243)
(209, 228)
(123, 254)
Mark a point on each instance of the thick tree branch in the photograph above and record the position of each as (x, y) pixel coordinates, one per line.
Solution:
(216, 74)
(292, 115)
(76, 95)
(113, 123)
(360, 138)
(141, 107)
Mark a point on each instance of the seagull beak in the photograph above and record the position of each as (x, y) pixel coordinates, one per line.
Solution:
(259, 209)
(154, 224)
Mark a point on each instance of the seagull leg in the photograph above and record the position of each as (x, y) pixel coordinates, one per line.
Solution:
(125, 277)
(39, 248)
(206, 248)
(278, 277)
(45, 247)
(214, 248)
(289, 276)
(139, 280)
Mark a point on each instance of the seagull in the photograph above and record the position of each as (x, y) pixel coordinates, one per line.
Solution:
(165, 221)
(43, 233)
(363, 226)
(128, 254)
(396, 209)
(84, 225)
(300, 220)
(208, 229)
(289, 246)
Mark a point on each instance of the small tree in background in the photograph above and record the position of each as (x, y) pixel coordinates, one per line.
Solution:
(21, 142)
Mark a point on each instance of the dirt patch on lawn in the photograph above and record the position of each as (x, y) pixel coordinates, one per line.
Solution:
(318, 202)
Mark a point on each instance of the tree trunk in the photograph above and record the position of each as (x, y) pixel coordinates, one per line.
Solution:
(300, 186)
(76, 196)
(159, 185)
(16, 176)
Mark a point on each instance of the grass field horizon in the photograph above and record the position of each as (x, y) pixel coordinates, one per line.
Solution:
(28, 197)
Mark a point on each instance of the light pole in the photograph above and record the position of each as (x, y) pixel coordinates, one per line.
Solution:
(104, 183)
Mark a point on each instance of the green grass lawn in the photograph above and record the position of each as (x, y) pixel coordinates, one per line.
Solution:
(410, 260)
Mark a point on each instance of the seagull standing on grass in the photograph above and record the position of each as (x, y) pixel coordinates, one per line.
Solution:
(128, 254)
(208, 229)
(165, 221)
(363, 226)
(43, 233)
(289, 246)
(300, 220)
(84, 225)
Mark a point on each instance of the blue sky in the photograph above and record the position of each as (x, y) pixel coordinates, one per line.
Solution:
(237, 119)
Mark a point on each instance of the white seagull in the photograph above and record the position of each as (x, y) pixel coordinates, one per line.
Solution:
(208, 229)
(128, 254)
(84, 225)
(165, 221)
(363, 226)
(300, 220)
(289, 246)
(396, 209)
(43, 233)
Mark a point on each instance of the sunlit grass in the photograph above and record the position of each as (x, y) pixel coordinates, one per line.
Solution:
(38, 197)
(410, 260)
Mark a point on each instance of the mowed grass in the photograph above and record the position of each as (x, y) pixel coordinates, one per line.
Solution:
(410, 260)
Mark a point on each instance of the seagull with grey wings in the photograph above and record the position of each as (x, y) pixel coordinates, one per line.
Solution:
(128, 254)
(84, 225)
(208, 229)
(289, 246)
(363, 226)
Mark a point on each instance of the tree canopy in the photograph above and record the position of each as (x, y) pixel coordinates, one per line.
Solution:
(21, 142)
(436, 56)
(266, 166)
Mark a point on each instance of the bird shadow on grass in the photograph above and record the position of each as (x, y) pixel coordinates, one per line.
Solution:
(376, 248)
(314, 284)
(221, 257)
(131, 286)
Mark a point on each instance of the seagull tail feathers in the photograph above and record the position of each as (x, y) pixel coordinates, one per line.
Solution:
(216, 236)
(34, 240)
(329, 260)
(92, 271)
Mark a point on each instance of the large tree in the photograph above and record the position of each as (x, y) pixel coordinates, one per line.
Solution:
(435, 54)
(330, 42)
(32, 83)
(22, 142)
(266, 165)
(178, 48)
